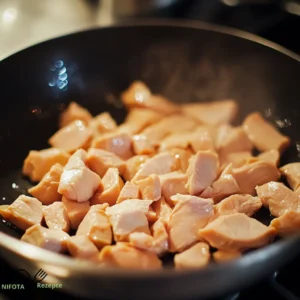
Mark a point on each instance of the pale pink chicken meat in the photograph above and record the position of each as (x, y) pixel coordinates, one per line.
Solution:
(123, 255)
(201, 140)
(292, 173)
(196, 257)
(224, 256)
(150, 187)
(99, 161)
(278, 198)
(237, 232)
(263, 135)
(162, 209)
(56, 217)
(24, 212)
(38, 163)
(102, 123)
(129, 191)
(46, 189)
(74, 136)
(142, 145)
(188, 216)
(74, 112)
(237, 159)
(213, 113)
(119, 143)
(96, 227)
(53, 240)
(202, 171)
(181, 157)
(288, 223)
(133, 164)
(272, 156)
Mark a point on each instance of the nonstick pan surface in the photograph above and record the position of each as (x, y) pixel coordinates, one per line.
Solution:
(185, 62)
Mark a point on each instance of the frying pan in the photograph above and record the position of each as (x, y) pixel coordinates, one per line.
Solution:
(185, 61)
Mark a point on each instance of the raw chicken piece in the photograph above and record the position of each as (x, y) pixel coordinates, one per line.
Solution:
(129, 191)
(138, 119)
(238, 204)
(56, 217)
(162, 209)
(201, 140)
(292, 173)
(237, 232)
(141, 145)
(288, 223)
(159, 164)
(74, 112)
(124, 256)
(53, 240)
(181, 157)
(74, 136)
(175, 140)
(271, 156)
(196, 257)
(112, 186)
(223, 256)
(78, 182)
(213, 113)
(150, 187)
(80, 246)
(46, 189)
(202, 171)
(103, 123)
(3, 209)
(237, 159)
(24, 212)
(223, 187)
(38, 163)
(189, 215)
(133, 164)
(75, 211)
(278, 198)
(172, 184)
(223, 131)
(263, 135)
(99, 161)
(253, 174)
(119, 143)
(127, 217)
(96, 227)
(139, 95)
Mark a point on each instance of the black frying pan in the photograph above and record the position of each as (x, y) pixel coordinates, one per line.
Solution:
(183, 61)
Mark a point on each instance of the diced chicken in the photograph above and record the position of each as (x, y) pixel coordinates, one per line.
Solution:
(3, 209)
(124, 256)
(201, 140)
(189, 215)
(24, 212)
(112, 186)
(139, 95)
(80, 246)
(74, 136)
(202, 171)
(129, 191)
(196, 257)
(253, 174)
(150, 187)
(141, 145)
(56, 217)
(238, 204)
(119, 143)
(75, 211)
(223, 131)
(263, 135)
(38, 163)
(99, 161)
(127, 217)
(223, 187)
(162, 209)
(103, 123)
(237, 232)
(271, 156)
(159, 164)
(214, 113)
(96, 226)
(53, 240)
(175, 140)
(133, 164)
(182, 158)
(237, 159)
(223, 256)
(138, 119)
(288, 223)
(78, 182)
(74, 112)
(278, 198)
(172, 184)
(292, 173)
(46, 189)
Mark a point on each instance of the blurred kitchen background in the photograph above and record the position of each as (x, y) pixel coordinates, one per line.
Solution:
(26, 22)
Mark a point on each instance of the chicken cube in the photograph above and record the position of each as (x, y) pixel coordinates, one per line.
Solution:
(129, 191)
(56, 217)
(141, 145)
(292, 174)
(133, 164)
(102, 123)
(223, 256)
(150, 187)
(288, 223)
(80, 246)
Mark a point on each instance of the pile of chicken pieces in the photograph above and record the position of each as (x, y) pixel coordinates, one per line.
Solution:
(171, 178)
